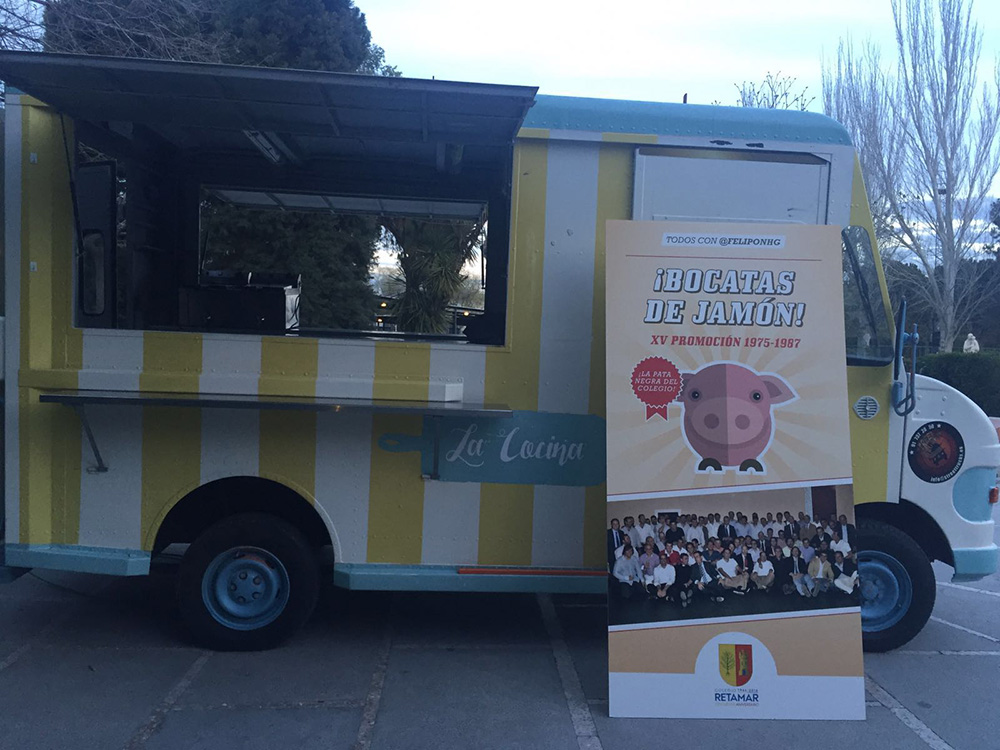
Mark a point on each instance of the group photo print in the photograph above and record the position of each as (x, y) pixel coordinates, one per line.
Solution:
(719, 559)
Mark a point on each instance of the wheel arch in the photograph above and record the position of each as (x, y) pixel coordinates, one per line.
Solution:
(209, 503)
(914, 521)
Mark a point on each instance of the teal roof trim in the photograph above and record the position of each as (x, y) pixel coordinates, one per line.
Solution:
(662, 118)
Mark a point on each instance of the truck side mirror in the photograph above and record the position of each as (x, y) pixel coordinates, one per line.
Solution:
(904, 402)
(96, 193)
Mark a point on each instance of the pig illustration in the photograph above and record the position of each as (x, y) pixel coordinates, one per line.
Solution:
(727, 414)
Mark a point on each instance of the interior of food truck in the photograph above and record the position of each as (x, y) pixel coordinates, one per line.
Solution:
(248, 200)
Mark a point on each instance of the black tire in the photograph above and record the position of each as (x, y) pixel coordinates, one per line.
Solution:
(232, 547)
(890, 551)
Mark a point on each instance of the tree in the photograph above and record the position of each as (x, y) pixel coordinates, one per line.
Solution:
(774, 92)
(985, 321)
(926, 133)
(727, 661)
(431, 256)
(332, 253)
(307, 34)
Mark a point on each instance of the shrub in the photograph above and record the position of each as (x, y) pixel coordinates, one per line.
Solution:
(975, 375)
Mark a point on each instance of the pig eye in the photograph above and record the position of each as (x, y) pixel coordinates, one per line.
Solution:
(695, 395)
(756, 396)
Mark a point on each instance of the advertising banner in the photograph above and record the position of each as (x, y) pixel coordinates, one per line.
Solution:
(731, 540)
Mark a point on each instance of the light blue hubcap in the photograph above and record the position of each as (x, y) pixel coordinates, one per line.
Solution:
(245, 588)
(886, 590)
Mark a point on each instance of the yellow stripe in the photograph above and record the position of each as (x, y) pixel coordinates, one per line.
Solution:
(170, 362)
(171, 437)
(395, 495)
(869, 438)
(396, 489)
(287, 440)
(614, 189)
(629, 138)
(505, 510)
(402, 371)
(25, 523)
(171, 462)
(288, 366)
(68, 341)
(50, 435)
(533, 133)
(861, 215)
(37, 470)
(288, 450)
(66, 458)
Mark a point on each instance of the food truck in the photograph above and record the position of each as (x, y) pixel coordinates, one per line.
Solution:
(168, 389)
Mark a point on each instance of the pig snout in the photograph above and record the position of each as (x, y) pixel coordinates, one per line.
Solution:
(728, 421)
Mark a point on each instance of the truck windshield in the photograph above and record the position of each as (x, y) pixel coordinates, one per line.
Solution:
(866, 324)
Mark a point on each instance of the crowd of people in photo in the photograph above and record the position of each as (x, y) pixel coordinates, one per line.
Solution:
(677, 558)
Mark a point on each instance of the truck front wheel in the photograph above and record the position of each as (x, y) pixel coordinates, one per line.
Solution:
(897, 586)
(247, 583)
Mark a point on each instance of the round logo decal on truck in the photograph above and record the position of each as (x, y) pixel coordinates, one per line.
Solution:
(936, 452)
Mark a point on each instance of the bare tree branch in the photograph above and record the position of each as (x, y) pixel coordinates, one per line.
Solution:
(927, 137)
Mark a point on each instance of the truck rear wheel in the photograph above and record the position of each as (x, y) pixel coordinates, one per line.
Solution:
(247, 583)
(897, 586)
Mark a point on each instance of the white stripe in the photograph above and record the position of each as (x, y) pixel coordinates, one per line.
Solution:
(111, 502)
(451, 523)
(579, 710)
(568, 278)
(968, 588)
(720, 490)
(557, 526)
(230, 443)
(460, 363)
(920, 729)
(343, 467)
(230, 364)
(345, 370)
(451, 509)
(112, 360)
(565, 334)
(966, 630)
(12, 324)
(739, 618)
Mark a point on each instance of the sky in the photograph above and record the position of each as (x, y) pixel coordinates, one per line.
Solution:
(636, 49)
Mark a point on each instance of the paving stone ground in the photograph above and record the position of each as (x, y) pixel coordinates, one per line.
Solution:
(92, 662)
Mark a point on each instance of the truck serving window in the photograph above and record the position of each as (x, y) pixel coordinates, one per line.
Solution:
(866, 324)
(338, 264)
(251, 200)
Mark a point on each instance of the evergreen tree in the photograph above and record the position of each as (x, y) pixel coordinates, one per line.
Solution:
(431, 256)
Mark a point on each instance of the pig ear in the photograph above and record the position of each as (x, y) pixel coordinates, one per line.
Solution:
(685, 379)
(778, 389)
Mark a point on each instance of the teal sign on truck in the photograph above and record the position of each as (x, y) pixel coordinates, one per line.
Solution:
(528, 448)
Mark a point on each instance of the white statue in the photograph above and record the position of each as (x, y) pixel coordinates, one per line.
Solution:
(971, 346)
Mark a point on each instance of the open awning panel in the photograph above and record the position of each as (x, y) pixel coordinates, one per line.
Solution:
(311, 115)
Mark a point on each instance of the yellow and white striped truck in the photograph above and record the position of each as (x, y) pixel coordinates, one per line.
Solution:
(143, 410)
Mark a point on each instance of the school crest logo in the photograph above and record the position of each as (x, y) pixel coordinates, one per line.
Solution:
(736, 663)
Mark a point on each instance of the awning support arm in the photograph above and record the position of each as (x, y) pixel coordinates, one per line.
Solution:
(436, 461)
(101, 466)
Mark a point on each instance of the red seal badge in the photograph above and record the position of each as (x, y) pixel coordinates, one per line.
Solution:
(656, 382)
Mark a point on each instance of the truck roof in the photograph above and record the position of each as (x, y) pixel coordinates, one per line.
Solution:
(573, 113)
